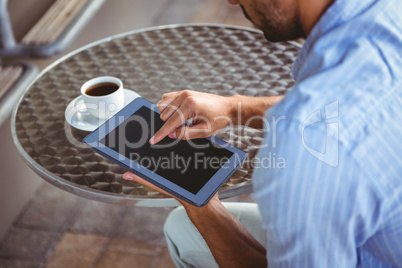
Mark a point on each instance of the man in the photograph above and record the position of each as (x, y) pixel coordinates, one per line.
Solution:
(338, 201)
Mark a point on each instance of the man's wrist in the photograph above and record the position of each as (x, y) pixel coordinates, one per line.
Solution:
(234, 104)
(249, 111)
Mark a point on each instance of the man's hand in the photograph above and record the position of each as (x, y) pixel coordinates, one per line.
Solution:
(210, 113)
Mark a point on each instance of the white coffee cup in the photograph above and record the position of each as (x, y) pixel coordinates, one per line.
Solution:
(103, 96)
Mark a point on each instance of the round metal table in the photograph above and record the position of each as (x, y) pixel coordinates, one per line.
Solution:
(219, 59)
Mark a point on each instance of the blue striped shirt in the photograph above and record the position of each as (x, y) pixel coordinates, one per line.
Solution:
(330, 188)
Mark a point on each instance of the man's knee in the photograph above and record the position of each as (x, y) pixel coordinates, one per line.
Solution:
(174, 222)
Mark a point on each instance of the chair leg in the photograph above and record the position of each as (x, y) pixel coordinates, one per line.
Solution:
(7, 39)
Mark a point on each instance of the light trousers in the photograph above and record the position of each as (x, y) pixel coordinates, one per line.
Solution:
(188, 248)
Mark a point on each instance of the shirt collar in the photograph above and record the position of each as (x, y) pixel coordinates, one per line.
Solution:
(338, 13)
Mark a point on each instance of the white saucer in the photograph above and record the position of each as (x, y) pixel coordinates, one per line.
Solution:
(78, 116)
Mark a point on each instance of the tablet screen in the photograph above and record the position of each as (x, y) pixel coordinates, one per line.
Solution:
(188, 164)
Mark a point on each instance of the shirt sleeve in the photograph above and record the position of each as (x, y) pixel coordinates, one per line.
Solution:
(317, 209)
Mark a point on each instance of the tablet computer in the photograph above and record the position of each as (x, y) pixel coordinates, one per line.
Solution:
(192, 170)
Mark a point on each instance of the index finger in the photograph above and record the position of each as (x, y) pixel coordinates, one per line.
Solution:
(174, 122)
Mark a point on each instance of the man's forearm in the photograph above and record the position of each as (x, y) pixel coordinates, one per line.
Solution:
(229, 241)
(249, 111)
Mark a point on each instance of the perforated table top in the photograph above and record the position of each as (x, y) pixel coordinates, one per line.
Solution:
(218, 59)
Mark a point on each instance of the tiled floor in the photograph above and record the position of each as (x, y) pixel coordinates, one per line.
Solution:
(58, 229)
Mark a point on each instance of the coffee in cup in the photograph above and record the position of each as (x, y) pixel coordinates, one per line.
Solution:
(102, 89)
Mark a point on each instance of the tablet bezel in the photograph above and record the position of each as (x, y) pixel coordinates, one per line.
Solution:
(203, 195)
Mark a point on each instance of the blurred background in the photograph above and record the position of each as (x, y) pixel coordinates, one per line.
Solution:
(40, 225)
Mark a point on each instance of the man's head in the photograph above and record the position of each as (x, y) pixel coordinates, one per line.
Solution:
(282, 20)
